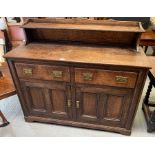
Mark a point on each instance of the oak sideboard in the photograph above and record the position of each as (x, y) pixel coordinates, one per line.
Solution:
(81, 73)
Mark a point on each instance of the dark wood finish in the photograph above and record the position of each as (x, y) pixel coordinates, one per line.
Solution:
(85, 24)
(106, 77)
(43, 72)
(124, 39)
(6, 88)
(153, 54)
(148, 39)
(102, 105)
(47, 99)
(109, 33)
(6, 84)
(149, 113)
(5, 121)
(80, 54)
(96, 87)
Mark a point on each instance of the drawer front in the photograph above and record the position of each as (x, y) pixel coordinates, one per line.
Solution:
(43, 72)
(105, 77)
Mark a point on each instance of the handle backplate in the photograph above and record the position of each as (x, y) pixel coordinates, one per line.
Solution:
(27, 71)
(121, 79)
(88, 76)
(57, 74)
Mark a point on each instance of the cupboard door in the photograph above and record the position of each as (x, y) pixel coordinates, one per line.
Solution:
(59, 98)
(35, 98)
(87, 105)
(48, 99)
(114, 106)
(102, 105)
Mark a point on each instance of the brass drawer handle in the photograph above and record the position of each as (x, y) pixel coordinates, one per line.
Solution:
(77, 104)
(69, 104)
(27, 71)
(121, 79)
(87, 76)
(57, 74)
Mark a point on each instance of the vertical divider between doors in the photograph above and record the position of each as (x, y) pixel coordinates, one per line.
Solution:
(73, 92)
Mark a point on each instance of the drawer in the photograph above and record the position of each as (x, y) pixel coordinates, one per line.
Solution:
(42, 72)
(105, 77)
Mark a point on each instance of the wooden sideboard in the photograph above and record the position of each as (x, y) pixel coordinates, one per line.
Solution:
(80, 73)
(6, 88)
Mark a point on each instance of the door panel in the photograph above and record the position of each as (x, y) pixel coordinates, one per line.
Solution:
(113, 107)
(103, 105)
(47, 99)
(88, 104)
(58, 100)
(59, 95)
(35, 99)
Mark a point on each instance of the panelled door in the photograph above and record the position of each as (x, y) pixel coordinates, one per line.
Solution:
(48, 99)
(103, 105)
(92, 104)
(114, 106)
(87, 105)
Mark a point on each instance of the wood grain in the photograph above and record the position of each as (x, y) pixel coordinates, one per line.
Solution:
(6, 84)
(106, 32)
(101, 103)
(105, 77)
(85, 25)
(81, 54)
(148, 38)
(44, 72)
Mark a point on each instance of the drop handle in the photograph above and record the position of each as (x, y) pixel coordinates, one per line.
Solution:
(69, 104)
(77, 104)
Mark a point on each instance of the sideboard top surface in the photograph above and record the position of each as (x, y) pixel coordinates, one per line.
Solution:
(80, 54)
